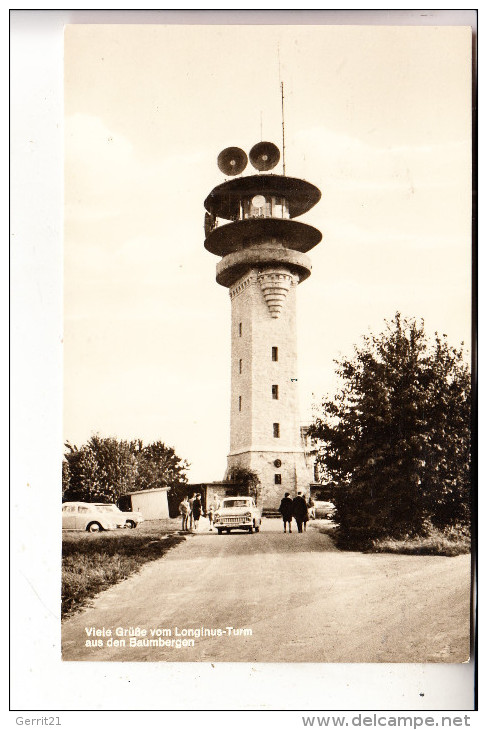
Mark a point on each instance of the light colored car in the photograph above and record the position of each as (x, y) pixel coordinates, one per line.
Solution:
(237, 513)
(131, 519)
(324, 510)
(89, 517)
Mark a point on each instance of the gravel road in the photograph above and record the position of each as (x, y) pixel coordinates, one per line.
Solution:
(287, 598)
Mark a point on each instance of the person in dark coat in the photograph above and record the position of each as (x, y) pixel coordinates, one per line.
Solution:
(197, 510)
(300, 511)
(286, 510)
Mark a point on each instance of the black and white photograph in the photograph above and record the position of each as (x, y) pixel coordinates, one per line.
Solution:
(266, 447)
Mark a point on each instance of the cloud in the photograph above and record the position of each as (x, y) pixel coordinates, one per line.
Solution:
(348, 162)
(415, 197)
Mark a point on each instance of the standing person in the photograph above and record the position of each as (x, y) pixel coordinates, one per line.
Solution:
(306, 515)
(191, 502)
(311, 509)
(286, 510)
(184, 510)
(300, 511)
(211, 513)
(197, 510)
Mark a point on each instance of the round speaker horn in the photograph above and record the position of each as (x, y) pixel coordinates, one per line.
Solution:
(264, 156)
(232, 161)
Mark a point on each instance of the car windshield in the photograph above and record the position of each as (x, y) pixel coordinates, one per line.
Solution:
(236, 503)
(107, 507)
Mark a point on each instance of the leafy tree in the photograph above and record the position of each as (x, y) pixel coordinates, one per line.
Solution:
(396, 437)
(115, 469)
(160, 466)
(104, 469)
(66, 476)
(101, 471)
(247, 480)
(72, 489)
(92, 477)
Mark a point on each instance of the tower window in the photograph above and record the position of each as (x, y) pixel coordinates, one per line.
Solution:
(240, 366)
(239, 402)
(275, 392)
(277, 479)
(240, 329)
(274, 354)
(276, 430)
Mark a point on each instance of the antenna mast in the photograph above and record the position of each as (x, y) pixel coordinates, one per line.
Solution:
(282, 109)
(283, 145)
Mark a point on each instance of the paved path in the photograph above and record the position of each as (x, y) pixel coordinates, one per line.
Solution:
(291, 598)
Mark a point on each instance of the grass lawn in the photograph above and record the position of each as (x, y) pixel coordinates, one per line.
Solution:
(92, 562)
(449, 543)
(437, 543)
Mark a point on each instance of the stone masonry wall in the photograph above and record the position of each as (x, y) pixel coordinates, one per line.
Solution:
(252, 442)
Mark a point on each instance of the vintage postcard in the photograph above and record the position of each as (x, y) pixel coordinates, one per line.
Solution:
(321, 177)
(267, 354)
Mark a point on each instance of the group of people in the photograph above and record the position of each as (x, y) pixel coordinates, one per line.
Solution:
(191, 511)
(296, 508)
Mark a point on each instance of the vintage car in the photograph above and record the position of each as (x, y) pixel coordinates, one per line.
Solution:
(324, 510)
(89, 517)
(132, 519)
(237, 513)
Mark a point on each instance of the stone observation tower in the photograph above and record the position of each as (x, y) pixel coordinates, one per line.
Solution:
(250, 222)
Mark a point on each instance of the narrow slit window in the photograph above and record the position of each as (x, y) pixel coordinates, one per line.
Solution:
(239, 402)
(276, 430)
(274, 354)
(275, 392)
(240, 366)
(240, 329)
(277, 479)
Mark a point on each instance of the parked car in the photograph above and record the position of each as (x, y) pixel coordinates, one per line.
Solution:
(238, 513)
(324, 510)
(89, 517)
(131, 519)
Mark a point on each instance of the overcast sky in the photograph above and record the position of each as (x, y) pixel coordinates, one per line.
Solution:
(377, 117)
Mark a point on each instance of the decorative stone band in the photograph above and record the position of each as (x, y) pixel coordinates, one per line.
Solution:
(235, 266)
(242, 284)
(275, 284)
(266, 450)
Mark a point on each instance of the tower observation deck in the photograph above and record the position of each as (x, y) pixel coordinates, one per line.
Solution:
(250, 223)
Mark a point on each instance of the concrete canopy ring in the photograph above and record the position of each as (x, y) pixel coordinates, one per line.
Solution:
(235, 265)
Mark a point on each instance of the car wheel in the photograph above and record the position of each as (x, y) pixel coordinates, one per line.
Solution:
(228, 532)
(219, 530)
(257, 528)
(251, 529)
(94, 527)
(131, 524)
